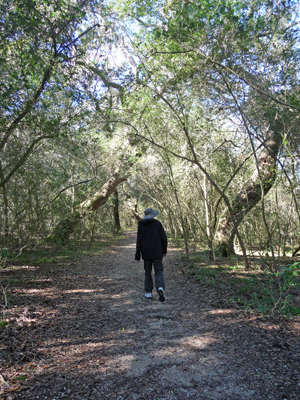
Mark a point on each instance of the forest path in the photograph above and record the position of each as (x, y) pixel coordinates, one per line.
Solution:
(95, 336)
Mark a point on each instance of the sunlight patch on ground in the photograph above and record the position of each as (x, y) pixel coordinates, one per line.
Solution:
(220, 311)
(124, 362)
(34, 290)
(172, 352)
(104, 279)
(131, 364)
(80, 355)
(43, 293)
(197, 342)
(80, 291)
(19, 267)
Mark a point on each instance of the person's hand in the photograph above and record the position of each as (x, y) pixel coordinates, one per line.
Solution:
(164, 255)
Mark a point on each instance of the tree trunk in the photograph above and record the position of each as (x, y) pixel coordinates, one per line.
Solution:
(251, 194)
(116, 211)
(5, 203)
(136, 214)
(66, 227)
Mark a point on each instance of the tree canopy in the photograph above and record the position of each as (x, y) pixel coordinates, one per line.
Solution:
(191, 107)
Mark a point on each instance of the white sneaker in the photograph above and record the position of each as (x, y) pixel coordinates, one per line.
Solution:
(148, 295)
(161, 293)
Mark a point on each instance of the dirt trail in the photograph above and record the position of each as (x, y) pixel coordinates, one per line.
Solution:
(89, 333)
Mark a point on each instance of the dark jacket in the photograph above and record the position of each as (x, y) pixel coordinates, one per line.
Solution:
(151, 240)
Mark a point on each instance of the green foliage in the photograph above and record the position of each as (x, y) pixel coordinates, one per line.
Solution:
(276, 297)
(209, 76)
(45, 260)
(4, 253)
(3, 324)
(73, 251)
(290, 274)
(22, 377)
(267, 293)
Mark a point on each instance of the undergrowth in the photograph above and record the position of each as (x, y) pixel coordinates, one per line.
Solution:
(52, 254)
(255, 290)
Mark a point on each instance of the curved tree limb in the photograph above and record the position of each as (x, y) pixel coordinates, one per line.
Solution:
(237, 74)
(66, 227)
(23, 158)
(68, 187)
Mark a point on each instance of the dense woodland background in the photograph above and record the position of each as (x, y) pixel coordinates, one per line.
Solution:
(193, 107)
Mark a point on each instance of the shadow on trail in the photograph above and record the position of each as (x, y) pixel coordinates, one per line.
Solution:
(93, 336)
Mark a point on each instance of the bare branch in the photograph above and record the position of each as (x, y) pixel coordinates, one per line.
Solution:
(68, 187)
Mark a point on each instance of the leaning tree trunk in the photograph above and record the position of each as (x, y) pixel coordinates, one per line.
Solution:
(251, 193)
(136, 214)
(66, 227)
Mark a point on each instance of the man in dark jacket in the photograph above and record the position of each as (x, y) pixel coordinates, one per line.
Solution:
(152, 244)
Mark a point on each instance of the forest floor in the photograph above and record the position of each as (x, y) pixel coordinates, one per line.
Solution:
(85, 331)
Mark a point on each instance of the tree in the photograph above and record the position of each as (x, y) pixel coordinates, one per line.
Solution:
(40, 43)
(259, 184)
(241, 58)
(66, 227)
(56, 94)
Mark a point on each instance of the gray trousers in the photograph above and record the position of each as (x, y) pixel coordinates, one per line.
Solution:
(159, 274)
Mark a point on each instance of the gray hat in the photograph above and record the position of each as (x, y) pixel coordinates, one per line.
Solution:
(149, 213)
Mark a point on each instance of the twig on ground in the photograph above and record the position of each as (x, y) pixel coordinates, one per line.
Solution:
(4, 289)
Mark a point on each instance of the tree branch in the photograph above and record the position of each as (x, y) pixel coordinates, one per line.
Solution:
(62, 48)
(41, 88)
(24, 158)
(238, 75)
(245, 80)
(68, 187)
(23, 114)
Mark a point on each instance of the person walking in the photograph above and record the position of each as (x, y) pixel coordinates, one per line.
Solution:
(152, 244)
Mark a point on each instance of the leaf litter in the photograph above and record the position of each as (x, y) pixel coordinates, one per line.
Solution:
(85, 331)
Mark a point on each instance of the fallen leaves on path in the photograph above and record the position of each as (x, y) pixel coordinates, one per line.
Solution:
(85, 331)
